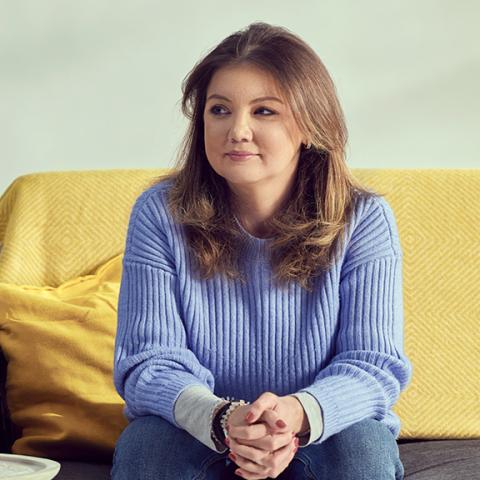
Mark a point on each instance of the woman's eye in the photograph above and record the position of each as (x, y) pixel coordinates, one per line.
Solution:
(266, 109)
(215, 111)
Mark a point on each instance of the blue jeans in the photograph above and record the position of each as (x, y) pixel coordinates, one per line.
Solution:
(152, 448)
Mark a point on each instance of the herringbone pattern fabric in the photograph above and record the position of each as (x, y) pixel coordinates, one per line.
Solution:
(438, 216)
(56, 226)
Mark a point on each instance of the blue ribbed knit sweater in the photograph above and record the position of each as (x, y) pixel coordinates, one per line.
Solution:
(342, 343)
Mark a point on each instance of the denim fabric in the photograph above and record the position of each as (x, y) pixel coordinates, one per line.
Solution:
(152, 448)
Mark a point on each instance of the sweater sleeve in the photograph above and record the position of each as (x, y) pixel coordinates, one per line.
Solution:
(152, 364)
(369, 369)
(313, 411)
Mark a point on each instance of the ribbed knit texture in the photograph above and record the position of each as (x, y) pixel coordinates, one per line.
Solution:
(342, 343)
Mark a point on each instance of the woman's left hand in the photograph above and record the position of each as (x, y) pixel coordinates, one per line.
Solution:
(248, 438)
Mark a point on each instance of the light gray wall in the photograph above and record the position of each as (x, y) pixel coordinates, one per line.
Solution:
(95, 84)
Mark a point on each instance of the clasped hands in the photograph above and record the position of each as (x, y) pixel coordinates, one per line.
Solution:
(262, 435)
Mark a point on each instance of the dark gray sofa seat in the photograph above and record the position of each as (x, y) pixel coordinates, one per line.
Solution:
(441, 459)
(423, 460)
(83, 471)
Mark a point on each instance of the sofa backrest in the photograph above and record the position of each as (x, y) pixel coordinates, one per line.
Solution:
(6, 435)
(438, 217)
(55, 226)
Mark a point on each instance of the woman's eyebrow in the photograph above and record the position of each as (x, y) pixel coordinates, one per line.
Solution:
(260, 99)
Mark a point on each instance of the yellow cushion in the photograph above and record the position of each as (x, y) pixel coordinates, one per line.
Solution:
(59, 346)
(437, 213)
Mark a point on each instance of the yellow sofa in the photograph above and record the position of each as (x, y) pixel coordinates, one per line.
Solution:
(62, 235)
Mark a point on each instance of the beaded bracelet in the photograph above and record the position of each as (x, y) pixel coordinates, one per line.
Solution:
(213, 415)
(218, 430)
(230, 409)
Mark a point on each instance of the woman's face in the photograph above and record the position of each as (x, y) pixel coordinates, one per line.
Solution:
(235, 120)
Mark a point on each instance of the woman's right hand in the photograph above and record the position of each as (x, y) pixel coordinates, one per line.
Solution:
(264, 449)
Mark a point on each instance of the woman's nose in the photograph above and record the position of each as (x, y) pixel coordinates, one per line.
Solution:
(240, 128)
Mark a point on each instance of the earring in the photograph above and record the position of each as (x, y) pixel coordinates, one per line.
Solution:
(309, 145)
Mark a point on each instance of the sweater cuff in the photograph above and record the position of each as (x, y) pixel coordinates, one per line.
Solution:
(193, 409)
(314, 414)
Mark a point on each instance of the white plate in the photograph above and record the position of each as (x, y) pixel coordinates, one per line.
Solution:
(23, 467)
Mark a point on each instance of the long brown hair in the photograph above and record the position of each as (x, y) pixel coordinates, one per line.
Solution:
(311, 225)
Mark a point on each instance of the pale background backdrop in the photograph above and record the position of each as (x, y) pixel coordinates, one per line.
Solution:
(96, 84)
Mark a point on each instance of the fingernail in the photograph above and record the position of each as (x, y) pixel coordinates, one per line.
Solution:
(280, 423)
(249, 416)
(232, 456)
(239, 472)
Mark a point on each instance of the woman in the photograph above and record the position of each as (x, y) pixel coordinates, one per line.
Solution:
(261, 299)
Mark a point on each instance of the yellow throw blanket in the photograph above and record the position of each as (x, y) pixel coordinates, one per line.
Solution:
(55, 226)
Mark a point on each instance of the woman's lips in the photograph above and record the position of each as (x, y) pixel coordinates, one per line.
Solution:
(240, 157)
